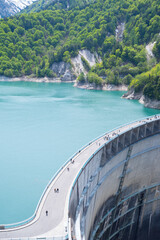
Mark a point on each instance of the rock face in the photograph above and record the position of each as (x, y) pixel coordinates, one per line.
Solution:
(147, 102)
(132, 95)
(69, 72)
(7, 8)
(149, 49)
(119, 31)
(63, 71)
(11, 7)
(91, 58)
(21, 3)
(104, 87)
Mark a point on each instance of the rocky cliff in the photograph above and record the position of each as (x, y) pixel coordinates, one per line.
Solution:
(70, 71)
(147, 102)
(78, 64)
(64, 71)
(11, 7)
(7, 8)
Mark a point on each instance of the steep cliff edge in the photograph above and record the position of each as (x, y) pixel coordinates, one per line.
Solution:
(143, 87)
(78, 64)
(69, 71)
(147, 102)
(11, 7)
(104, 87)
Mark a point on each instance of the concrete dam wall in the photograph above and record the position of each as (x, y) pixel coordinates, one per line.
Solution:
(116, 195)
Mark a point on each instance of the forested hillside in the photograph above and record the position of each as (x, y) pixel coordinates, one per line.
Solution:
(55, 5)
(148, 82)
(31, 43)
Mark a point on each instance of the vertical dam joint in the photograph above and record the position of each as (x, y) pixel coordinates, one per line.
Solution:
(123, 200)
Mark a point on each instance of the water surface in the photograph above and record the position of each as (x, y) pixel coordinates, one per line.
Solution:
(41, 126)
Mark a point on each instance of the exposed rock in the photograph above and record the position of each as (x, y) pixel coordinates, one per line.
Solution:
(112, 87)
(119, 31)
(63, 71)
(78, 65)
(150, 103)
(69, 72)
(149, 49)
(7, 9)
(60, 68)
(11, 7)
(147, 102)
(104, 87)
(68, 76)
(4, 78)
(132, 95)
(28, 79)
(89, 86)
(21, 3)
(91, 58)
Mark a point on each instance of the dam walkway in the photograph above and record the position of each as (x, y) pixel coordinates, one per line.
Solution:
(50, 220)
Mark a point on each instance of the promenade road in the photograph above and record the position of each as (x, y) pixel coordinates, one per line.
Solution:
(56, 223)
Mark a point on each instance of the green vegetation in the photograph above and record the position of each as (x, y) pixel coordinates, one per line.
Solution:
(122, 64)
(91, 77)
(148, 83)
(31, 43)
(85, 64)
(156, 49)
(81, 78)
(94, 78)
(55, 5)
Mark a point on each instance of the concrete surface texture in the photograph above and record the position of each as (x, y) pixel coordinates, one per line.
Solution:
(94, 190)
(117, 195)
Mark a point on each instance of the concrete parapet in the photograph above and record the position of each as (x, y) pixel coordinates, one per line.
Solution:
(117, 193)
(109, 190)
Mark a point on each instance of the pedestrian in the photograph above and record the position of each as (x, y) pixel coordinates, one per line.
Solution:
(46, 213)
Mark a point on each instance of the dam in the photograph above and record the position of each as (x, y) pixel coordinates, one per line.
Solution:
(109, 190)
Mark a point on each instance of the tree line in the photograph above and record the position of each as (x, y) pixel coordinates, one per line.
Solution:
(31, 43)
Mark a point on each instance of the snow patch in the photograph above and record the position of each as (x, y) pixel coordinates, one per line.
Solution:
(70, 71)
(20, 3)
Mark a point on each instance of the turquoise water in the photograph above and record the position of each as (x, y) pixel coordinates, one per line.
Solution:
(41, 126)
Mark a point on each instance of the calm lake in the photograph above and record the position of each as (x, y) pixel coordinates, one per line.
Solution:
(41, 126)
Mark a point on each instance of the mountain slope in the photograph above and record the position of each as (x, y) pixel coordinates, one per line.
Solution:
(11, 7)
(7, 8)
(31, 43)
(55, 4)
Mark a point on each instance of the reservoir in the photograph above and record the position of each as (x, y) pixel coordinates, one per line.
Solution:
(41, 126)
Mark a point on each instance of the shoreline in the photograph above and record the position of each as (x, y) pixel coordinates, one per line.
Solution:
(32, 79)
(104, 87)
(88, 86)
(147, 102)
(130, 94)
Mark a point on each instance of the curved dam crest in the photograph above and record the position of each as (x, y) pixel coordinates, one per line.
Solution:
(101, 192)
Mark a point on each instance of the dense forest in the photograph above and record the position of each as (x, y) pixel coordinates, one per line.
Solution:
(55, 4)
(31, 43)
